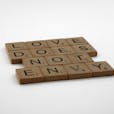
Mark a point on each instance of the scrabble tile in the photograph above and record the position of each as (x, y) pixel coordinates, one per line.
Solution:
(56, 60)
(41, 52)
(33, 62)
(57, 42)
(76, 40)
(100, 68)
(29, 75)
(78, 70)
(63, 50)
(87, 49)
(80, 57)
(16, 46)
(54, 73)
(17, 56)
(37, 44)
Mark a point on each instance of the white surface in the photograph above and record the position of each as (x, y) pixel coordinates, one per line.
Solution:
(24, 20)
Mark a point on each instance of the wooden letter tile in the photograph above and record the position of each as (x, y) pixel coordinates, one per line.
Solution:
(59, 59)
(63, 50)
(76, 41)
(17, 56)
(29, 75)
(36, 44)
(100, 68)
(87, 49)
(57, 42)
(53, 73)
(16, 46)
(32, 62)
(41, 52)
(80, 57)
(79, 70)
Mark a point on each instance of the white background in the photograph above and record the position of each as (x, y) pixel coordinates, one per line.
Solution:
(24, 20)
